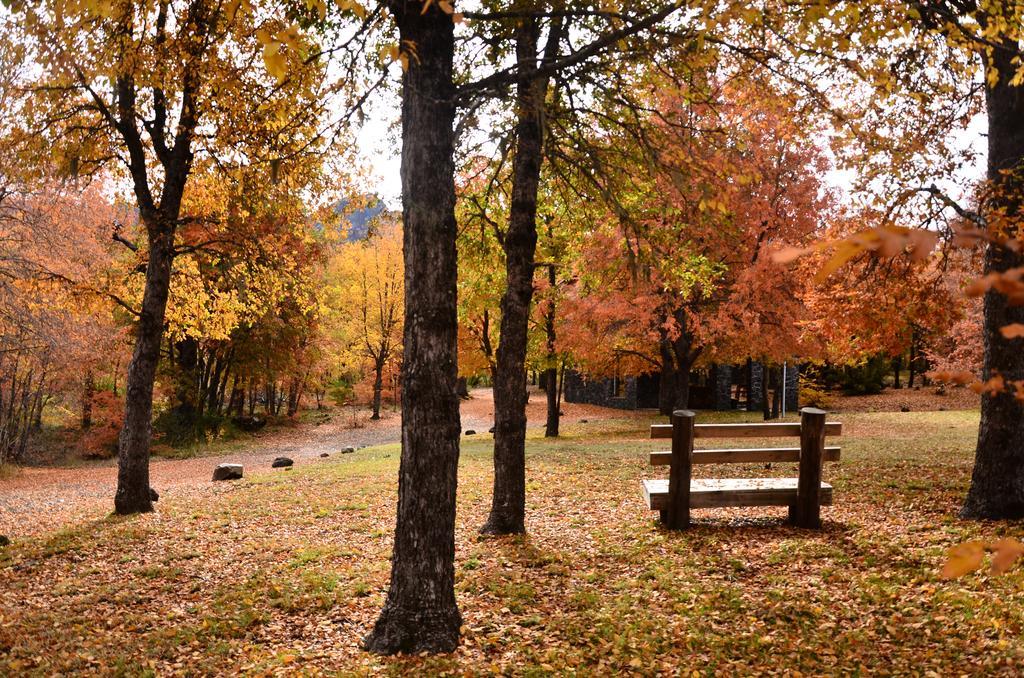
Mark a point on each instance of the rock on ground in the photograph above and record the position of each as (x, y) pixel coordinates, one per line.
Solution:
(282, 462)
(227, 472)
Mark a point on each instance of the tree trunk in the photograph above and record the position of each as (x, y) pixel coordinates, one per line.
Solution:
(420, 613)
(88, 391)
(378, 387)
(682, 385)
(897, 367)
(508, 506)
(552, 386)
(132, 495)
(667, 381)
(777, 393)
(186, 408)
(997, 484)
(766, 404)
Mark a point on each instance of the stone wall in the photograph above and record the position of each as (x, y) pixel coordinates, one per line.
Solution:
(599, 391)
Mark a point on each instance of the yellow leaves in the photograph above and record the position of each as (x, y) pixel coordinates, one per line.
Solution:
(275, 61)
(352, 6)
(968, 557)
(392, 53)
(319, 6)
(232, 8)
(289, 36)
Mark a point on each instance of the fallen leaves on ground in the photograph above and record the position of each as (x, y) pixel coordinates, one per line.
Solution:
(284, 573)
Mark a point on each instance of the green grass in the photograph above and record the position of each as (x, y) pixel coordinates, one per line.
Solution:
(284, 573)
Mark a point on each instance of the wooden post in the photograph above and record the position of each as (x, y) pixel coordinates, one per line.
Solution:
(677, 515)
(812, 447)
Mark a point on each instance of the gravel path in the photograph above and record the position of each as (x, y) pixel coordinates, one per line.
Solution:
(39, 500)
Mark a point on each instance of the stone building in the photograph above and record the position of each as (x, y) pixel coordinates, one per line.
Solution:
(717, 387)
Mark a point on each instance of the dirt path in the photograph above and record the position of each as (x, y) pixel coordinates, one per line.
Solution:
(39, 500)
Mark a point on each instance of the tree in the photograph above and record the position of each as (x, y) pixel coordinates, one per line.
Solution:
(106, 67)
(967, 56)
(420, 613)
(366, 300)
(675, 269)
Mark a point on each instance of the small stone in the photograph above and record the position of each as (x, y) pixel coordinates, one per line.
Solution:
(941, 408)
(227, 472)
(583, 421)
(324, 455)
(4, 541)
(282, 462)
(154, 495)
(491, 429)
(348, 450)
(904, 409)
(470, 432)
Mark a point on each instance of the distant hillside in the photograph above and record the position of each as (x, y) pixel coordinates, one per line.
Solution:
(361, 218)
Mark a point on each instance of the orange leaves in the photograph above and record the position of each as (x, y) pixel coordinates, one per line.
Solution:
(1005, 553)
(958, 378)
(968, 557)
(963, 559)
(883, 241)
(1009, 283)
(992, 386)
(1012, 331)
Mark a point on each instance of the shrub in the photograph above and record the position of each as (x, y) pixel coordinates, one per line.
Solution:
(813, 394)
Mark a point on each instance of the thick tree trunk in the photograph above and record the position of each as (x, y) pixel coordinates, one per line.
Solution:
(997, 484)
(508, 506)
(132, 495)
(420, 613)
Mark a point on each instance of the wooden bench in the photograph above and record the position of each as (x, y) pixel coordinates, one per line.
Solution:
(804, 495)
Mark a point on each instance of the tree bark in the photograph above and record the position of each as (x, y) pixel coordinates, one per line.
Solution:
(132, 495)
(667, 381)
(897, 367)
(997, 483)
(551, 382)
(684, 355)
(88, 391)
(508, 506)
(420, 613)
(378, 387)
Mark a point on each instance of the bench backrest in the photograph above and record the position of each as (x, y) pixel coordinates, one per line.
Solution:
(745, 455)
(755, 430)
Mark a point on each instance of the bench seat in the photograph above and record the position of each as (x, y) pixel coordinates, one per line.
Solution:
(721, 492)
